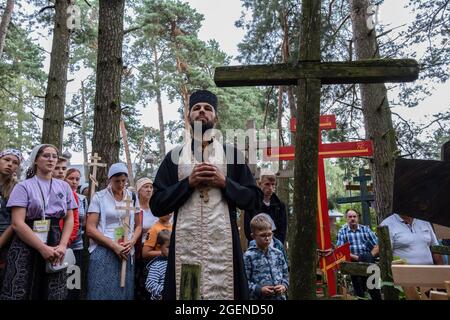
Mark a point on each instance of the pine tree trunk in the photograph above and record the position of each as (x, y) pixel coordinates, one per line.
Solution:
(162, 139)
(106, 139)
(282, 183)
(303, 234)
(6, 19)
(283, 189)
(55, 97)
(377, 115)
(84, 133)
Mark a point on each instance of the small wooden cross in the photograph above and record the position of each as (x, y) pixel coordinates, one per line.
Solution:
(126, 229)
(93, 177)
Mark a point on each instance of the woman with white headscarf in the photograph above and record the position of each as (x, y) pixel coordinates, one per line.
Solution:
(37, 204)
(105, 226)
(144, 188)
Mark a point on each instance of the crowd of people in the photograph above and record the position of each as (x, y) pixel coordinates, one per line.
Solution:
(140, 238)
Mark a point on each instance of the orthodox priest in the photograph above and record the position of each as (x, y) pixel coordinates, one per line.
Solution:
(203, 182)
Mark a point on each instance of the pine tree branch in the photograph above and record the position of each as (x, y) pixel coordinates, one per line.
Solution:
(71, 118)
(390, 30)
(45, 8)
(36, 116)
(132, 29)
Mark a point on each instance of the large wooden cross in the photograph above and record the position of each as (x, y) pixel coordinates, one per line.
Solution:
(326, 150)
(364, 196)
(128, 208)
(309, 73)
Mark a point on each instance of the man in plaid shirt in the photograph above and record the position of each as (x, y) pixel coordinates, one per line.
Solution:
(363, 247)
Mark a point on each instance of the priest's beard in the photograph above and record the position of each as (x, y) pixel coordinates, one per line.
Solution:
(199, 128)
(202, 134)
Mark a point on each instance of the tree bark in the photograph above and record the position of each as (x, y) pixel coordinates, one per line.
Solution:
(283, 183)
(106, 139)
(6, 19)
(162, 139)
(377, 115)
(84, 133)
(55, 97)
(304, 232)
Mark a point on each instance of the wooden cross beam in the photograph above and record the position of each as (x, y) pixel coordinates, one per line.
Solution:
(129, 209)
(362, 71)
(93, 177)
(365, 197)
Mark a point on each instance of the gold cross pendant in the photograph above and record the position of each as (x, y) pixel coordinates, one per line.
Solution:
(204, 195)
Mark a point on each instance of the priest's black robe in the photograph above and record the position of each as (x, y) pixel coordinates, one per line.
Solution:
(240, 192)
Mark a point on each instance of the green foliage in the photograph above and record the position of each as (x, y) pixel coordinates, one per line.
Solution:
(21, 86)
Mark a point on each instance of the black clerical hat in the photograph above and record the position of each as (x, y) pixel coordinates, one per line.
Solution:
(203, 96)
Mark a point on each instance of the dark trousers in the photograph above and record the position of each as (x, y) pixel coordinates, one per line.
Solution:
(360, 283)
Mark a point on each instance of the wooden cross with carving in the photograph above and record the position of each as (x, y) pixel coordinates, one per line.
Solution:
(93, 177)
(125, 219)
(309, 73)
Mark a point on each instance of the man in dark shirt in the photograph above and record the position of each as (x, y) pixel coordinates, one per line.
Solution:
(271, 205)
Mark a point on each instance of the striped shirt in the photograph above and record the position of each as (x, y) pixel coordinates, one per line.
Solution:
(155, 279)
(361, 240)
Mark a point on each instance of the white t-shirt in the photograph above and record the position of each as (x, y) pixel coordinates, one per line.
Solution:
(103, 203)
(411, 242)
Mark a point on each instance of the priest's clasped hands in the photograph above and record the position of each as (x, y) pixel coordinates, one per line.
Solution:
(206, 174)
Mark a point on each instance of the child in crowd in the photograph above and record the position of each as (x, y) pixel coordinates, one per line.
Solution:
(151, 248)
(157, 267)
(265, 266)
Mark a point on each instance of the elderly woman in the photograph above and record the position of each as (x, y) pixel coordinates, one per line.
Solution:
(144, 188)
(10, 160)
(106, 222)
(37, 204)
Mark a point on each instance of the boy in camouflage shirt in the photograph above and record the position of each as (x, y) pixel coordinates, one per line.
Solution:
(265, 266)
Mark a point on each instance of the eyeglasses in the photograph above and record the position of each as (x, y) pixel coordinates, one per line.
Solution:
(265, 235)
(47, 156)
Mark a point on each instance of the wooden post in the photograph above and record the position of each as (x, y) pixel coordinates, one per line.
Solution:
(190, 282)
(127, 153)
(93, 178)
(386, 257)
